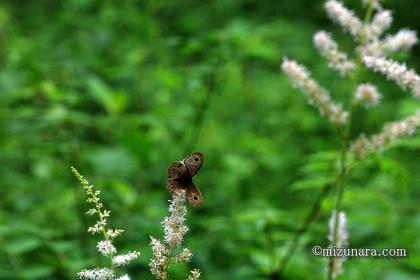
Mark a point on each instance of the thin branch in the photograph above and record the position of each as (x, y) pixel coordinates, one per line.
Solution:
(310, 219)
(201, 111)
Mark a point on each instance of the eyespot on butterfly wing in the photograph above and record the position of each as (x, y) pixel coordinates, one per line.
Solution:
(194, 195)
(180, 175)
(193, 162)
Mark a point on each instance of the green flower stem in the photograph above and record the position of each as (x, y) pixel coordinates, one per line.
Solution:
(345, 140)
(92, 196)
(310, 219)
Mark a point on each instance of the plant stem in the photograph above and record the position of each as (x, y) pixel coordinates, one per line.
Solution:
(345, 143)
(101, 217)
(309, 220)
(202, 110)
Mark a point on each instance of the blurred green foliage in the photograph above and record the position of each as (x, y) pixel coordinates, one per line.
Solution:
(120, 89)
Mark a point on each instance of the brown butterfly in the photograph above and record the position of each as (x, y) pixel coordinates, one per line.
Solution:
(180, 174)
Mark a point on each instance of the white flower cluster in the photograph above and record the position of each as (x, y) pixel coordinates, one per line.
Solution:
(362, 146)
(396, 72)
(106, 246)
(328, 49)
(195, 274)
(184, 256)
(96, 274)
(380, 22)
(341, 242)
(342, 234)
(159, 263)
(121, 260)
(317, 96)
(100, 274)
(344, 17)
(375, 3)
(403, 40)
(373, 44)
(372, 50)
(367, 94)
(113, 233)
(375, 50)
(174, 225)
(174, 231)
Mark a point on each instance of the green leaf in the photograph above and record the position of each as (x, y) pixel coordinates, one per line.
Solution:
(306, 184)
(37, 271)
(22, 246)
(113, 102)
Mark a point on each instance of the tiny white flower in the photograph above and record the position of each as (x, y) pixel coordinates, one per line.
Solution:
(112, 233)
(157, 247)
(124, 277)
(184, 256)
(360, 147)
(97, 227)
(105, 247)
(345, 17)
(390, 132)
(195, 274)
(121, 260)
(96, 274)
(174, 226)
(341, 242)
(317, 96)
(328, 48)
(403, 40)
(395, 71)
(381, 22)
(342, 234)
(367, 94)
(174, 231)
(91, 211)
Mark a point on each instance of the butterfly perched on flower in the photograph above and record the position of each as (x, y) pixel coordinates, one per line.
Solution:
(180, 174)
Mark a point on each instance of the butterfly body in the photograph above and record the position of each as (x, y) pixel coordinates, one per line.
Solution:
(180, 174)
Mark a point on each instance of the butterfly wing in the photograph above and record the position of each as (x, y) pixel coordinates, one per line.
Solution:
(180, 175)
(194, 195)
(174, 186)
(193, 162)
(177, 172)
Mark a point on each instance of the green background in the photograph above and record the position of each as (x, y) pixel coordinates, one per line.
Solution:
(120, 89)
